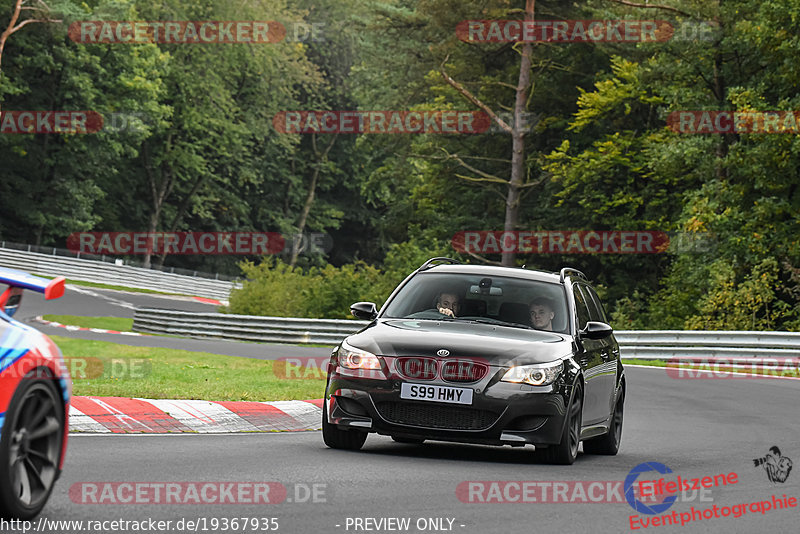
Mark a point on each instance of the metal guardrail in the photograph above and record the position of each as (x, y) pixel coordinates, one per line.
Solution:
(645, 345)
(730, 345)
(244, 327)
(109, 273)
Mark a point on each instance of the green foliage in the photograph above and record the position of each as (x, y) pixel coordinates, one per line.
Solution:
(599, 153)
(747, 304)
(274, 289)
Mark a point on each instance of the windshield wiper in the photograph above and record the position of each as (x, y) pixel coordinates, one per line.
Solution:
(443, 318)
(500, 323)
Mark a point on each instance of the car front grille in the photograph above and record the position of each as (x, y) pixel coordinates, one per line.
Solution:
(417, 368)
(436, 416)
(463, 371)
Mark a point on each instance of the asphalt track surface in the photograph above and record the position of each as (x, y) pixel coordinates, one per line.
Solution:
(85, 301)
(695, 427)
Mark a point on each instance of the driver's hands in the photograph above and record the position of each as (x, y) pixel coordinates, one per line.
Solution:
(448, 312)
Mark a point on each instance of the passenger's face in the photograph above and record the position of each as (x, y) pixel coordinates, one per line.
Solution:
(450, 302)
(542, 317)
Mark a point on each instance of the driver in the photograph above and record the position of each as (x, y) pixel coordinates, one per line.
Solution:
(448, 303)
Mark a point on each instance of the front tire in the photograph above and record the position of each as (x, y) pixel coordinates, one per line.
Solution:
(351, 440)
(608, 444)
(30, 448)
(566, 452)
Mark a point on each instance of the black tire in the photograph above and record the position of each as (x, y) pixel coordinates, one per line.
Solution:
(30, 448)
(351, 440)
(608, 444)
(412, 441)
(566, 452)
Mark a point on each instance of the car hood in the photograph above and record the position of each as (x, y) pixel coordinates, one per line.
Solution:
(494, 344)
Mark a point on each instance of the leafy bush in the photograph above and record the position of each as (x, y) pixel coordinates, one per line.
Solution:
(274, 289)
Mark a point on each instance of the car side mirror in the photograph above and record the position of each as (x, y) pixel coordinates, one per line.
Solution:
(364, 310)
(10, 300)
(596, 330)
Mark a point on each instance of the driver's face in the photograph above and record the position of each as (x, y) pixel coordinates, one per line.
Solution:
(450, 301)
(542, 317)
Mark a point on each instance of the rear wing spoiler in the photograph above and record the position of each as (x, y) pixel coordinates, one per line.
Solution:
(18, 281)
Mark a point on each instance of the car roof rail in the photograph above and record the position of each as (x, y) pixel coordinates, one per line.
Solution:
(440, 259)
(567, 270)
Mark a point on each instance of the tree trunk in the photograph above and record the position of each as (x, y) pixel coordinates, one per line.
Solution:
(152, 226)
(720, 92)
(7, 33)
(518, 139)
(159, 191)
(312, 188)
(179, 215)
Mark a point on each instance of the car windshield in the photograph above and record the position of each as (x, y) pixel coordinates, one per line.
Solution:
(505, 301)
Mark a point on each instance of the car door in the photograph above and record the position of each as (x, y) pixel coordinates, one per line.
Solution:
(589, 357)
(609, 351)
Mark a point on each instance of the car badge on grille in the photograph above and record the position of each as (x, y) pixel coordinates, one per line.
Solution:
(443, 353)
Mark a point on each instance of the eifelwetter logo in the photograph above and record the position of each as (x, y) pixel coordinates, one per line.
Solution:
(630, 487)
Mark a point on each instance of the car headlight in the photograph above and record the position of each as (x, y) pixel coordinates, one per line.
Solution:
(352, 358)
(535, 375)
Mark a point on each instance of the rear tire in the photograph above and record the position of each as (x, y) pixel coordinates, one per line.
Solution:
(30, 448)
(351, 440)
(566, 452)
(608, 444)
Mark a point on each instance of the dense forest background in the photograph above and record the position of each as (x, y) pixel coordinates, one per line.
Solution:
(597, 153)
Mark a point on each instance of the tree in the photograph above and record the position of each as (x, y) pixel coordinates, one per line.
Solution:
(517, 131)
(39, 13)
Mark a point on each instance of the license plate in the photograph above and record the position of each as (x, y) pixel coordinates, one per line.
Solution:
(436, 393)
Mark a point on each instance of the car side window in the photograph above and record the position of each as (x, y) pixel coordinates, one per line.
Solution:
(596, 311)
(581, 309)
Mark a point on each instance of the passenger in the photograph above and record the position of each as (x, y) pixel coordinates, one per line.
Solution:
(542, 314)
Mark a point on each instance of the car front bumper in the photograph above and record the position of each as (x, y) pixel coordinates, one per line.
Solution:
(501, 413)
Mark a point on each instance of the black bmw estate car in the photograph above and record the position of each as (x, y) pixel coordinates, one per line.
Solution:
(479, 354)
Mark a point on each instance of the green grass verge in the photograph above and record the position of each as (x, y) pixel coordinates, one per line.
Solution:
(652, 363)
(117, 288)
(120, 324)
(100, 368)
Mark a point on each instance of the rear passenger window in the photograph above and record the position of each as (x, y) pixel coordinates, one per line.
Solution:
(581, 309)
